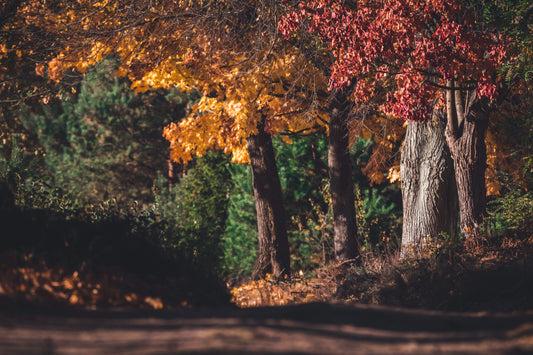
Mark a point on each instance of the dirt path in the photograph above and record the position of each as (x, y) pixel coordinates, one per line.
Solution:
(305, 329)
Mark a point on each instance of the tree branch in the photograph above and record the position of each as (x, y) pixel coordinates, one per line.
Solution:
(451, 107)
(459, 110)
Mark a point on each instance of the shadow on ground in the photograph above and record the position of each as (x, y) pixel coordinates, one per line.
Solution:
(303, 329)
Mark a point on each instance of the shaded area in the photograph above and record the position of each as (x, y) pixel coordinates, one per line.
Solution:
(487, 274)
(53, 259)
(303, 329)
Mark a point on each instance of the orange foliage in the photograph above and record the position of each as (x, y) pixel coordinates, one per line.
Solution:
(272, 292)
(237, 101)
(239, 88)
(43, 284)
(173, 44)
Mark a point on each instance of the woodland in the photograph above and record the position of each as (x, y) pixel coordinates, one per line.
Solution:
(171, 154)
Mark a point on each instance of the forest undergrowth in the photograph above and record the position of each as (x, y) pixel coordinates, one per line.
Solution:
(486, 274)
(105, 256)
(71, 269)
(97, 260)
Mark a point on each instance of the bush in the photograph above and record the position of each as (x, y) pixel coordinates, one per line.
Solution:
(109, 256)
(510, 213)
(160, 249)
(195, 211)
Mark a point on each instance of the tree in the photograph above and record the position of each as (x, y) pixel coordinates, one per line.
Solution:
(429, 193)
(244, 75)
(104, 141)
(240, 117)
(341, 184)
(419, 52)
(274, 249)
(339, 110)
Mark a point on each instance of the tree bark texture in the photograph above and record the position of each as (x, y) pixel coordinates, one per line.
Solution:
(341, 184)
(273, 255)
(429, 192)
(466, 141)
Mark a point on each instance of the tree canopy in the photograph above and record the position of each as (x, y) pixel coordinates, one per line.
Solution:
(420, 45)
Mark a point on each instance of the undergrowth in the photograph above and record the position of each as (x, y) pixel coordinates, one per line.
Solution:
(99, 256)
(488, 274)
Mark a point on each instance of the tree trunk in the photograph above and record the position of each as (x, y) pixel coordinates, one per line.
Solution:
(341, 184)
(465, 135)
(429, 193)
(175, 172)
(273, 255)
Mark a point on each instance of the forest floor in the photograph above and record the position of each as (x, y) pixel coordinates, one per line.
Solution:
(315, 328)
(487, 310)
(468, 299)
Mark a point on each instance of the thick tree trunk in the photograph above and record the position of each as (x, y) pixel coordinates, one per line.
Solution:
(273, 255)
(341, 184)
(466, 141)
(428, 185)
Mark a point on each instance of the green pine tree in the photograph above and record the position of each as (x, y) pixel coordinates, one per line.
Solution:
(240, 243)
(197, 207)
(105, 141)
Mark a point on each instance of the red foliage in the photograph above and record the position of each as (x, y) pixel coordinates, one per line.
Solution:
(419, 44)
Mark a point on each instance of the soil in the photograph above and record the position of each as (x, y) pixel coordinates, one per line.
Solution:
(318, 328)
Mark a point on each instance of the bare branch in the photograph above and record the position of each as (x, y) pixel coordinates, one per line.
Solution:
(451, 107)
(459, 110)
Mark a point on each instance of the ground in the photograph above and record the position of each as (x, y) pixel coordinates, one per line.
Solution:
(317, 328)
(471, 299)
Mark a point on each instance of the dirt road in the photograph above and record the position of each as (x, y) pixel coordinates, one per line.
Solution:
(304, 329)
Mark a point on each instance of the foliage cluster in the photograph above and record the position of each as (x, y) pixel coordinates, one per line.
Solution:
(272, 292)
(418, 46)
(509, 213)
(103, 141)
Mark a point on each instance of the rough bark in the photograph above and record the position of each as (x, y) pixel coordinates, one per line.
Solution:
(428, 185)
(341, 184)
(273, 254)
(466, 142)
